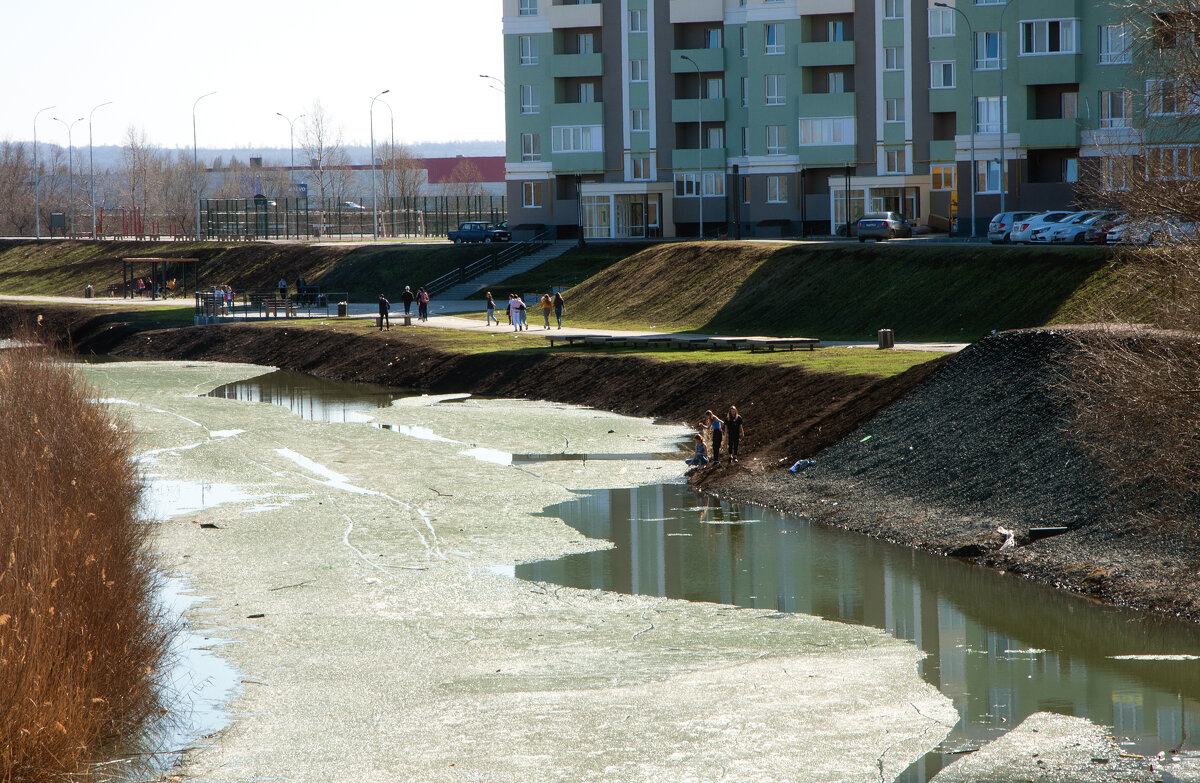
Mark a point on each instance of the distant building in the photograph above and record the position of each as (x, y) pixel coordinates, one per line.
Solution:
(435, 176)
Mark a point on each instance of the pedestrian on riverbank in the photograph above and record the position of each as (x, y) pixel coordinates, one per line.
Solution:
(717, 429)
(735, 427)
(384, 307)
(701, 457)
(522, 312)
(282, 286)
(491, 310)
(514, 320)
(407, 299)
(559, 306)
(423, 304)
(547, 306)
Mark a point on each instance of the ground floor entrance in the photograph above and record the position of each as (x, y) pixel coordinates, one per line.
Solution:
(623, 215)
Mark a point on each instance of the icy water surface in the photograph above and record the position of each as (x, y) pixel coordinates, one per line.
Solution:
(312, 398)
(1001, 648)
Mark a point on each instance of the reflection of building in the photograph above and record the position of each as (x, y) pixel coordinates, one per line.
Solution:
(791, 116)
(1000, 649)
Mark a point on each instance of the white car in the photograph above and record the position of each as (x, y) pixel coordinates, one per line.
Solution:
(1153, 232)
(1043, 235)
(1074, 231)
(1022, 231)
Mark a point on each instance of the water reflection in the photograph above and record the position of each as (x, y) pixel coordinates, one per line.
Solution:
(999, 647)
(312, 398)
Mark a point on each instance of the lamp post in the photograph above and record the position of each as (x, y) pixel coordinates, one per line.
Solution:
(700, 144)
(501, 88)
(1003, 108)
(374, 211)
(196, 162)
(37, 215)
(291, 148)
(974, 114)
(92, 168)
(71, 167)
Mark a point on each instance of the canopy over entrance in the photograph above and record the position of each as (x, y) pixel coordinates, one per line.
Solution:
(166, 275)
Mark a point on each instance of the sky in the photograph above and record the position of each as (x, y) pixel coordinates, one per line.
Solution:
(154, 58)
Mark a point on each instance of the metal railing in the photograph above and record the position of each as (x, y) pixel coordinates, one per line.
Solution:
(465, 274)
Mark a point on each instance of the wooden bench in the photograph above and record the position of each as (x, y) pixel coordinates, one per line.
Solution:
(273, 307)
(569, 339)
(791, 343)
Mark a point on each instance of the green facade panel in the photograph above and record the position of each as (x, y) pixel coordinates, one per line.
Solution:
(1048, 133)
(826, 104)
(828, 155)
(828, 53)
(1049, 69)
(708, 59)
(689, 109)
(577, 114)
(577, 65)
(941, 151)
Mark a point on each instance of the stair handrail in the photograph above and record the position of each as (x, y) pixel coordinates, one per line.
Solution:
(489, 263)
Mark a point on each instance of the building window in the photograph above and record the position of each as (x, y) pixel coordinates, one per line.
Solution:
(745, 91)
(941, 22)
(531, 99)
(826, 130)
(639, 120)
(895, 161)
(774, 39)
(1116, 171)
(531, 147)
(577, 138)
(714, 183)
(714, 88)
(1162, 97)
(742, 42)
(585, 43)
(989, 114)
(716, 138)
(776, 188)
(836, 82)
(587, 92)
(687, 183)
(637, 70)
(941, 74)
(893, 9)
(835, 31)
(745, 141)
(713, 38)
(640, 168)
(893, 58)
(1172, 163)
(1116, 109)
(529, 50)
(991, 2)
(989, 50)
(987, 176)
(1070, 105)
(637, 21)
(745, 190)
(528, 8)
(1115, 44)
(1050, 36)
(776, 140)
(893, 110)
(531, 195)
(1070, 170)
(776, 89)
(941, 177)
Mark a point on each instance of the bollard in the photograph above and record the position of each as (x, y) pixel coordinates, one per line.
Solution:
(407, 319)
(886, 339)
(343, 309)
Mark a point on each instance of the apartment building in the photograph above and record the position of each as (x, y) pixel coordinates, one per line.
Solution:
(636, 118)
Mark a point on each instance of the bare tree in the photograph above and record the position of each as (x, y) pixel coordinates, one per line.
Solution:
(137, 155)
(16, 189)
(465, 181)
(330, 177)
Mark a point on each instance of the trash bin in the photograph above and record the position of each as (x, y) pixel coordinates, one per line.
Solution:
(87, 291)
(886, 339)
(343, 309)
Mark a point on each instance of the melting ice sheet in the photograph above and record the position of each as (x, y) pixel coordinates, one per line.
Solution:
(166, 498)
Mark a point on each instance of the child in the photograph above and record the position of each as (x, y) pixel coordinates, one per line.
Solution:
(701, 458)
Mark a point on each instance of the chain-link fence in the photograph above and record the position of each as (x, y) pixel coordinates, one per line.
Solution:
(304, 218)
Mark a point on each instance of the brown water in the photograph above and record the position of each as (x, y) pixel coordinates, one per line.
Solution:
(999, 647)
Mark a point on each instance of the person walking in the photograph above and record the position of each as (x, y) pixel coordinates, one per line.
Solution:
(717, 426)
(407, 299)
(384, 307)
(559, 306)
(734, 429)
(522, 313)
(514, 316)
(423, 304)
(282, 285)
(491, 310)
(547, 306)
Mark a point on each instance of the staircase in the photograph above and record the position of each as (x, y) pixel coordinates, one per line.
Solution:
(523, 264)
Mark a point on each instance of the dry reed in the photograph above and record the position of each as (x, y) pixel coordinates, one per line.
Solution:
(82, 638)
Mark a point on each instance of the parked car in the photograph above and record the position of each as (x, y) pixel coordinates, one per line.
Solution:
(1000, 229)
(353, 206)
(1023, 229)
(1097, 233)
(478, 231)
(1041, 235)
(1153, 232)
(1074, 229)
(883, 225)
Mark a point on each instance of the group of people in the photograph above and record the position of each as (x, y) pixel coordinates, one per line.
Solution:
(517, 310)
(727, 431)
(407, 299)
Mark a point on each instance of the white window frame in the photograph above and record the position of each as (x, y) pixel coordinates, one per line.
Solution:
(745, 141)
(893, 110)
(687, 183)
(1183, 162)
(942, 23)
(942, 176)
(1162, 98)
(773, 41)
(826, 131)
(777, 189)
(991, 2)
(527, 8)
(639, 168)
(566, 139)
(714, 38)
(1109, 55)
(637, 71)
(531, 195)
(714, 87)
(1110, 120)
(893, 58)
(716, 137)
(742, 42)
(775, 89)
(776, 139)
(637, 21)
(836, 79)
(585, 43)
(531, 147)
(988, 62)
(987, 176)
(938, 70)
(835, 30)
(745, 92)
(1116, 171)
(1066, 37)
(990, 113)
(639, 120)
(529, 50)
(895, 161)
(587, 92)
(893, 9)
(531, 99)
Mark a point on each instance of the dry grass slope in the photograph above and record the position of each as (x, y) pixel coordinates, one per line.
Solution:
(82, 641)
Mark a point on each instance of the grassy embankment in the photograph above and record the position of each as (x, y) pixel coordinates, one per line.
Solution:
(82, 641)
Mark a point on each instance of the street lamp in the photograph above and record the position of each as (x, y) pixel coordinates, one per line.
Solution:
(501, 88)
(71, 167)
(374, 211)
(291, 148)
(37, 215)
(700, 119)
(92, 168)
(974, 114)
(196, 162)
(391, 155)
(1003, 108)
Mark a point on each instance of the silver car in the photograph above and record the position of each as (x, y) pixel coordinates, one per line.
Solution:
(1022, 232)
(883, 225)
(1000, 229)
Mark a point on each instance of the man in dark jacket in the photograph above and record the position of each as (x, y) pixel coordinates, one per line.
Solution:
(384, 307)
(407, 298)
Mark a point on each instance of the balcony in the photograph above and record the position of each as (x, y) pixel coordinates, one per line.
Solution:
(825, 53)
(690, 159)
(688, 109)
(684, 11)
(1050, 133)
(827, 155)
(1049, 69)
(709, 60)
(576, 65)
(577, 114)
(577, 161)
(945, 150)
(590, 15)
(826, 104)
(948, 100)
